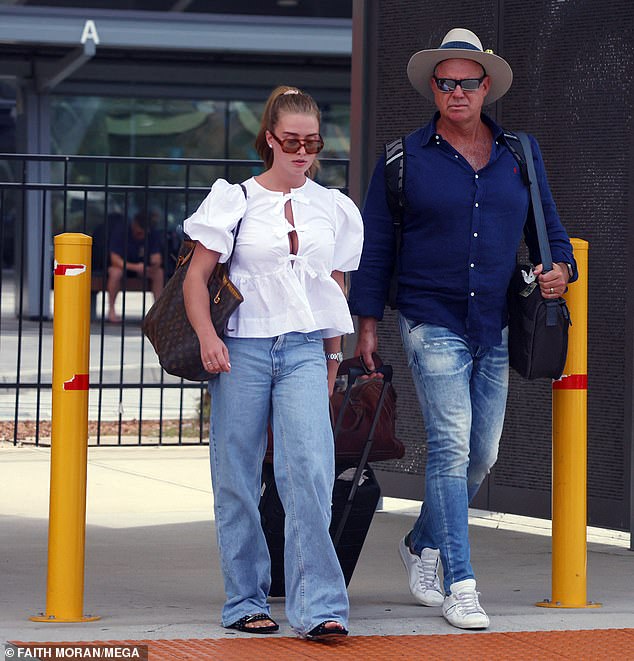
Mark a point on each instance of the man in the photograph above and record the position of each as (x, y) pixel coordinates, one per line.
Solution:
(466, 204)
(127, 252)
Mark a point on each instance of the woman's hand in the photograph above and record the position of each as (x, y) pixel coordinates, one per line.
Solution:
(215, 355)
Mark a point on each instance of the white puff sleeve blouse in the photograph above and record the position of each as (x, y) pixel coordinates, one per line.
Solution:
(283, 292)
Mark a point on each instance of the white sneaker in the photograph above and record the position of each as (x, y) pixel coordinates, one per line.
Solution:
(424, 582)
(462, 607)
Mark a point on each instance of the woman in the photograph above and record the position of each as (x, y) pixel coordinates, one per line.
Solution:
(278, 360)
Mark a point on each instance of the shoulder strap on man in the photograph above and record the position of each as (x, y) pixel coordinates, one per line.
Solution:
(395, 178)
(514, 145)
(395, 196)
(517, 149)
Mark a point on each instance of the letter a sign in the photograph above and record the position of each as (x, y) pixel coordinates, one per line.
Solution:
(90, 32)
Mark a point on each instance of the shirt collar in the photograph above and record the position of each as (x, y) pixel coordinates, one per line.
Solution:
(429, 131)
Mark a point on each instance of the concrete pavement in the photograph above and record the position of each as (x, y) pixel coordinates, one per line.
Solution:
(152, 567)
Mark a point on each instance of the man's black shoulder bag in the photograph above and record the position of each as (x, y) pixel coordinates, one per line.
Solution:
(538, 328)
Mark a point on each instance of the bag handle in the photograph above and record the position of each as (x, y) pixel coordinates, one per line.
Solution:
(236, 232)
(183, 259)
(538, 210)
(357, 364)
(540, 225)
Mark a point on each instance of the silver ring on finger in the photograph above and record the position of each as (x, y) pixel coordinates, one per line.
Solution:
(552, 291)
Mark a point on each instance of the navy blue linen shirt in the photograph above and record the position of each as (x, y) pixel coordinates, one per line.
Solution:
(461, 231)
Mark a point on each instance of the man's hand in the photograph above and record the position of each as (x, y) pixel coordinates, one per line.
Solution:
(367, 341)
(552, 284)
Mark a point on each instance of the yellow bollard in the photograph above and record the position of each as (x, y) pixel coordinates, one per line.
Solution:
(570, 402)
(69, 440)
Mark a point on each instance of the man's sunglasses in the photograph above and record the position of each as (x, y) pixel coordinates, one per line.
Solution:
(450, 84)
(293, 145)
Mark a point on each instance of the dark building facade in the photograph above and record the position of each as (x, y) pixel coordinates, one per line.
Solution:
(573, 64)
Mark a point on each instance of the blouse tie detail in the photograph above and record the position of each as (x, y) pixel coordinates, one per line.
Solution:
(295, 196)
(305, 264)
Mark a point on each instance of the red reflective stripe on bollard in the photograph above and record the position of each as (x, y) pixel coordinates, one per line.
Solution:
(78, 382)
(572, 382)
(69, 269)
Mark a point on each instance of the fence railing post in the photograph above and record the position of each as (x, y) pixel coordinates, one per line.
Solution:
(69, 437)
(569, 463)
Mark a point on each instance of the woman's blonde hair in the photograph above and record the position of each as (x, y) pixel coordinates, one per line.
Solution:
(284, 99)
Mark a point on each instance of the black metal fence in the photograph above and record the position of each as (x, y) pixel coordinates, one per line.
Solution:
(132, 401)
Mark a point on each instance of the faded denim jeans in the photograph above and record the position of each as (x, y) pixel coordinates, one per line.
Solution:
(284, 377)
(462, 392)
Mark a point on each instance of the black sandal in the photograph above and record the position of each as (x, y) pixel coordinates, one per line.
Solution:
(322, 632)
(241, 624)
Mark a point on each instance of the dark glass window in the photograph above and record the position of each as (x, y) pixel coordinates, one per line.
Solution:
(163, 128)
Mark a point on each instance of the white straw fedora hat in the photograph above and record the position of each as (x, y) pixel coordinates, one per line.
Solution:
(463, 44)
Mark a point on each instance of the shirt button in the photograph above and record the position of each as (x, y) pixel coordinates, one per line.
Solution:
(475, 234)
(477, 176)
(455, 155)
(477, 204)
(472, 265)
(472, 293)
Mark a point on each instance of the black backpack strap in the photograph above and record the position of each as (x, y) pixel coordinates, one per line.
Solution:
(395, 196)
(395, 178)
(512, 142)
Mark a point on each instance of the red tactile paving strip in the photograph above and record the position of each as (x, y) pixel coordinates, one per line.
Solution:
(603, 644)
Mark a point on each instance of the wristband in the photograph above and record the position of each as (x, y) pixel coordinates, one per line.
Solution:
(338, 356)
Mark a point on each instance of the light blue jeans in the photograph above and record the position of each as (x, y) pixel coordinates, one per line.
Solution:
(285, 378)
(462, 391)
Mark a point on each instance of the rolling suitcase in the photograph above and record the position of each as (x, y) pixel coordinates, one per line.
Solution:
(356, 494)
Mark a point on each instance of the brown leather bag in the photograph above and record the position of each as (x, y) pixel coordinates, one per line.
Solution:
(166, 324)
(353, 432)
(365, 403)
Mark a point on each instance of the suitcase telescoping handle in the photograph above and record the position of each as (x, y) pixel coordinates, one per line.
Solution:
(353, 374)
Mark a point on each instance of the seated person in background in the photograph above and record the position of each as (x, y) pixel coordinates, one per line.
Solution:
(129, 252)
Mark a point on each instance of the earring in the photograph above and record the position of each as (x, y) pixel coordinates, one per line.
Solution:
(270, 145)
